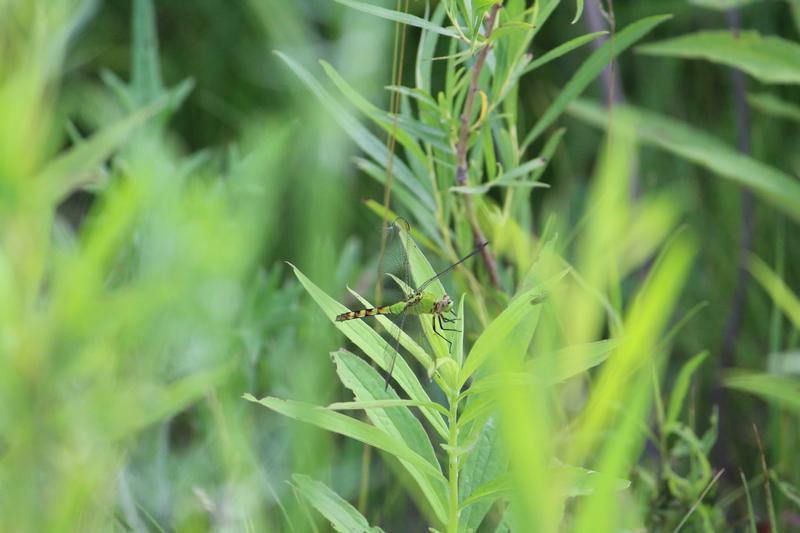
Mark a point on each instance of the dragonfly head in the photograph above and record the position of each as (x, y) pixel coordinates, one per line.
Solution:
(444, 305)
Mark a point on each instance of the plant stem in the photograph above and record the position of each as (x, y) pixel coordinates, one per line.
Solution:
(462, 149)
(452, 452)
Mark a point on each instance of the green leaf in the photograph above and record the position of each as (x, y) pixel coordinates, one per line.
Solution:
(695, 145)
(581, 481)
(776, 288)
(342, 516)
(562, 49)
(78, 165)
(486, 462)
(375, 347)
(578, 11)
(500, 331)
(545, 370)
(397, 422)
(681, 386)
(513, 178)
(383, 404)
(349, 427)
(578, 482)
(769, 59)
(380, 117)
(772, 105)
(397, 16)
(781, 390)
(146, 84)
(571, 361)
(590, 69)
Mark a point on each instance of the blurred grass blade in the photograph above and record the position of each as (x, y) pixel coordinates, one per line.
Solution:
(571, 361)
(768, 59)
(776, 187)
(341, 515)
(562, 49)
(781, 390)
(157, 402)
(785, 299)
(590, 69)
(681, 386)
(499, 332)
(146, 84)
(78, 166)
(770, 104)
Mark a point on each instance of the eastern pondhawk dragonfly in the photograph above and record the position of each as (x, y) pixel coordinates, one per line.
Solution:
(418, 302)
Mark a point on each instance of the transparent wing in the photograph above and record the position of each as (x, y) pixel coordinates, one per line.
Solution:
(451, 267)
(397, 261)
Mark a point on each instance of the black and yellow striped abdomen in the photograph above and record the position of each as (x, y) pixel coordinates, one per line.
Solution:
(361, 313)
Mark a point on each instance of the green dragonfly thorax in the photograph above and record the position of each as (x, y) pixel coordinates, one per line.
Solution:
(422, 303)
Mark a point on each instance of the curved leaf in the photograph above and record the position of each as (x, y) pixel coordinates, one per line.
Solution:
(769, 59)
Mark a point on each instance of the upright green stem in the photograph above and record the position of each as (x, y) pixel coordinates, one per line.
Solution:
(452, 452)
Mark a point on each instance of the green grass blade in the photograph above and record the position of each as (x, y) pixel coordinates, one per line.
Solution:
(750, 513)
(681, 386)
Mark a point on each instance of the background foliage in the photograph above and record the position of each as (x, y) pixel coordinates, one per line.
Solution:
(159, 163)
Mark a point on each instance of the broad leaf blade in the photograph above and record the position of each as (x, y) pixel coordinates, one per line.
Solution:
(367, 385)
(342, 516)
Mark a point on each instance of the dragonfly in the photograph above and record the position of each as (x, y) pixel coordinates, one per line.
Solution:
(419, 302)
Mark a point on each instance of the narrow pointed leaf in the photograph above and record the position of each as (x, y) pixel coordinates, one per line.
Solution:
(341, 515)
(347, 426)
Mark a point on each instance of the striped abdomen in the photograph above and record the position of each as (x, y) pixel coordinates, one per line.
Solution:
(361, 313)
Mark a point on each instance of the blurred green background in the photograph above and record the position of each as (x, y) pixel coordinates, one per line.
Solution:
(143, 284)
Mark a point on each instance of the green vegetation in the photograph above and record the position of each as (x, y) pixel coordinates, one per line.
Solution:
(189, 190)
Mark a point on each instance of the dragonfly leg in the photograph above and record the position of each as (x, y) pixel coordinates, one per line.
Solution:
(443, 320)
(448, 341)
